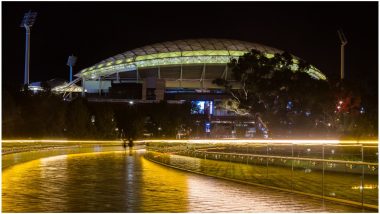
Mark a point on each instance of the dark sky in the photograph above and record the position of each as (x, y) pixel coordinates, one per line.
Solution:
(98, 30)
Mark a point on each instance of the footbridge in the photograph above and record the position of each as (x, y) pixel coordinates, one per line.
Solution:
(340, 171)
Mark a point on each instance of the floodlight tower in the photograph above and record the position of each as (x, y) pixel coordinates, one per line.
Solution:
(27, 23)
(343, 41)
(71, 62)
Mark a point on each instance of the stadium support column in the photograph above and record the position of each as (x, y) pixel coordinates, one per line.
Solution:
(137, 75)
(117, 77)
(225, 73)
(158, 72)
(100, 86)
(83, 86)
(203, 75)
(144, 86)
(180, 77)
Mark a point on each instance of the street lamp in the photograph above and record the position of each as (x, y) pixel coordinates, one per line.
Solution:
(27, 23)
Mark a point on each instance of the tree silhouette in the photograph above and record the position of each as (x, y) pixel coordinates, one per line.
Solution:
(276, 91)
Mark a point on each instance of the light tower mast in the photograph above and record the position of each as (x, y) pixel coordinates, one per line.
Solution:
(71, 62)
(27, 23)
(343, 41)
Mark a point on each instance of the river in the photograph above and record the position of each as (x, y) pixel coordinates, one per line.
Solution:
(124, 181)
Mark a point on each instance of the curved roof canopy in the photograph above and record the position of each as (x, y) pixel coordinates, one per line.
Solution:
(179, 52)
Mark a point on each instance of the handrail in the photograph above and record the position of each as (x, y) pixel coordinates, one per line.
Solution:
(297, 158)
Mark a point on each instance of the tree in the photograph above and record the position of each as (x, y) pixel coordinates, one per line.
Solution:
(355, 114)
(275, 91)
(78, 119)
(11, 115)
(105, 122)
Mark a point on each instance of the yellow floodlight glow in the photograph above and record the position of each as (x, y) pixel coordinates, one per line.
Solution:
(366, 186)
(61, 141)
(212, 141)
(215, 141)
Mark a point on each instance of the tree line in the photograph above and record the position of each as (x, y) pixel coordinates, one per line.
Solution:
(46, 115)
(284, 100)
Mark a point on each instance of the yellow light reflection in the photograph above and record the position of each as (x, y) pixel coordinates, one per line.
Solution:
(172, 187)
(25, 180)
(366, 186)
(60, 141)
(213, 141)
(316, 141)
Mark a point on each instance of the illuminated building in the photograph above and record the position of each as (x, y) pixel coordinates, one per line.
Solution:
(174, 67)
(175, 71)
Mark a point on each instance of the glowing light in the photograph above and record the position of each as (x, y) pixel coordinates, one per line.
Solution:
(244, 141)
(179, 58)
(204, 141)
(307, 170)
(131, 102)
(60, 141)
(366, 186)
(362, 110)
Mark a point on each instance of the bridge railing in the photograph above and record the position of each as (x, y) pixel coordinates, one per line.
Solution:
(339, 172)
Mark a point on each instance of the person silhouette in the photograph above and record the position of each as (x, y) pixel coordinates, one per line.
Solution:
(124, 144)
(130, 143)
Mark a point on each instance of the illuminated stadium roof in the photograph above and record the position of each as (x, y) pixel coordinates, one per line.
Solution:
(181, 52)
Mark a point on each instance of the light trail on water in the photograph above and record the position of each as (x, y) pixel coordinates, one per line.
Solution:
(208, 141)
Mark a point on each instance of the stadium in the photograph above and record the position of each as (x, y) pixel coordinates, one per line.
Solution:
(175, 71)
(161, 69)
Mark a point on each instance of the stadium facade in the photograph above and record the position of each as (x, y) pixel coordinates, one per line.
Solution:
(175, 71)
(161, 69)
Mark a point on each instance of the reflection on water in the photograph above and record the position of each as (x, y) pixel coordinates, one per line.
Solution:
(123, 181)
(20, 157)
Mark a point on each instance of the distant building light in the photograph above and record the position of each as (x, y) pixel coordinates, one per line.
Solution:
(362, 110)
(289, 105)
(131, 102)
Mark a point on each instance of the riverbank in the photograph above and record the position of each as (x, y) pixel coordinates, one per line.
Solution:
(15, 146)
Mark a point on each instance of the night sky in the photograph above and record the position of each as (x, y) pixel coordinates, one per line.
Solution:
(98, 30)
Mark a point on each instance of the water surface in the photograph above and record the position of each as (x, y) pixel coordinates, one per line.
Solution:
(123, 181)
